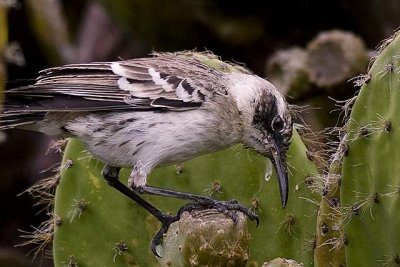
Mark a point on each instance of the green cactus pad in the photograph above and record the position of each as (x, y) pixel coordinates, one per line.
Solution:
(370, 187)
(100, 227)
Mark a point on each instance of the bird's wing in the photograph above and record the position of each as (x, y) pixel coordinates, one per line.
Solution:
(165, 81)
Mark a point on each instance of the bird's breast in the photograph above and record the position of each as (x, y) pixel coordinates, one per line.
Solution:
(125, 138)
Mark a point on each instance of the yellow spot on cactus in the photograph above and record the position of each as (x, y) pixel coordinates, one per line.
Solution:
(94, 180)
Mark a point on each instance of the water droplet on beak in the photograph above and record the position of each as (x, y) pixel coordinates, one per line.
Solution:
(268, 171)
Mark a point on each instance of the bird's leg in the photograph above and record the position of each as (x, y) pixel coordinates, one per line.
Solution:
(111, 174)
(200, 202)
(137, 182)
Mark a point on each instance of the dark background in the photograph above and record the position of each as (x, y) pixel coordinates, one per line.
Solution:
(58, 32)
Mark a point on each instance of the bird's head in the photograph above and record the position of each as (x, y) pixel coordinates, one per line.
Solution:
(267, 123)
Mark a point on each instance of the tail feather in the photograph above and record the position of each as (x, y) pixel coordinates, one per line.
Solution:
(59, 90)
(19, 120)
(15, 112)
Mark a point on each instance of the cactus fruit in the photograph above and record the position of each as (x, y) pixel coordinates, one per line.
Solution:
(370, 187)
(206, 238)
(100, 227)
(279, 262)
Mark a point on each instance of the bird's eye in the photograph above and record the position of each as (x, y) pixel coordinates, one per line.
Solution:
(277, 124)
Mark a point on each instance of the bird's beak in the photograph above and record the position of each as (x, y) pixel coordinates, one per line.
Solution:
(278, 159)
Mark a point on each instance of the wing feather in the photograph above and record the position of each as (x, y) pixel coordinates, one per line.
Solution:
(167, 81)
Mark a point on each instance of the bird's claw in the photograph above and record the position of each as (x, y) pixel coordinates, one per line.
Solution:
(165, 223)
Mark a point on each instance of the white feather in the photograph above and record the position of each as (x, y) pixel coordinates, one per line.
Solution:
(246, 89)
(155, 76)
(183, 94)
(117, 69)
(123, 84)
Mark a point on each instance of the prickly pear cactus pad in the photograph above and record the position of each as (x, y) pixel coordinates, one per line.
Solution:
(370, 188)
(96, 227)
(100, 227)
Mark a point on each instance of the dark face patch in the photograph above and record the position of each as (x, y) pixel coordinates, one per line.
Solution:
(268, 121)
(265, 110)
